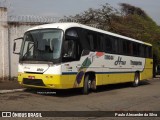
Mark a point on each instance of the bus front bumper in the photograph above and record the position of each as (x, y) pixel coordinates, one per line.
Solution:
(45, 81)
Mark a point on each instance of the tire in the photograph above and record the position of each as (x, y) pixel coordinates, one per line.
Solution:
(136, 80)
(86, 85)
(93, 85)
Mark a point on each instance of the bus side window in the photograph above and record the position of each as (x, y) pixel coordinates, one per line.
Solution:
(114, 44)
(130, 48)
(72, 35)
(148, 52)
(124, 44)
(127, 47)
(94, 41)
(138, 50)
(108, 44)
(90, 40)
(142, 51)
(135, 49)
(101, 43)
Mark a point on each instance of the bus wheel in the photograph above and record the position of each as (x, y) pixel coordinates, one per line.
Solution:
(93, 85)
(136, 80)
(86, 85)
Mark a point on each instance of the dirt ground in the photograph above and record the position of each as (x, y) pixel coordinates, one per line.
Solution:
(9, 85)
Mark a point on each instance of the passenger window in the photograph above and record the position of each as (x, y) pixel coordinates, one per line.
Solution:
(72, 33)
(90, 41)
(116, 45)
(148, 52)
(108, 44)
(94, 41)
(142, 51)
(135, 49)
(124, 47)
(127, 47)
(101, 43)
(72, 37)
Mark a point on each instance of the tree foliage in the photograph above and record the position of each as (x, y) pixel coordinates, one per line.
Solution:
(101, 17)
(129, 21)
(128, 9)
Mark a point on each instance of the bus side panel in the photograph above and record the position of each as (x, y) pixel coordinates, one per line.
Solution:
(99, 79)
(117, 78)
(148, 70)
(72, 83)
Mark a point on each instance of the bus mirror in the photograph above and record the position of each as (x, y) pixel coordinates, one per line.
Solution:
(16, 50)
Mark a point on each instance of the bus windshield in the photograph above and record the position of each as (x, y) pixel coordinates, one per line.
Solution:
(42, 45)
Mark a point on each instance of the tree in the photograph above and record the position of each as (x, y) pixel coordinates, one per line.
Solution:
(100, 18)
(127, 9)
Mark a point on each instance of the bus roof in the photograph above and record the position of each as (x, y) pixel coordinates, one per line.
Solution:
(65, 26)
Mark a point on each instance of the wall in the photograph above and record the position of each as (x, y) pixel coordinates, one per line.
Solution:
(4, 68)
(16, 30)
(12, 27)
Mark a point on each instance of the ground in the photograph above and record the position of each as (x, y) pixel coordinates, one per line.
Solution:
(121, 97)
(9, 85)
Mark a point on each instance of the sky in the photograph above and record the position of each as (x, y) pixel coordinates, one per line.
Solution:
(60, 8)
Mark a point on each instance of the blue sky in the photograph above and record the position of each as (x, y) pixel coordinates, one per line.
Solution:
(60, 8)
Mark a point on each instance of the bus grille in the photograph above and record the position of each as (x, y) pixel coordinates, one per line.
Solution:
(36, 82)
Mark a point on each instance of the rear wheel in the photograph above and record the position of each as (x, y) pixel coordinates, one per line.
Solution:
(136, 80)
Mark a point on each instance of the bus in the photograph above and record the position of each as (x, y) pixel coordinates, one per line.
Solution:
(158, 69)
(72, 55)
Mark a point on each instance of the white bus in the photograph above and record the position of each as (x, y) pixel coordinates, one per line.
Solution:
(72, 55)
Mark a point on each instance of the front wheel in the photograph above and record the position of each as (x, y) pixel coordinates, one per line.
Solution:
(136, 80)
(86, 85)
